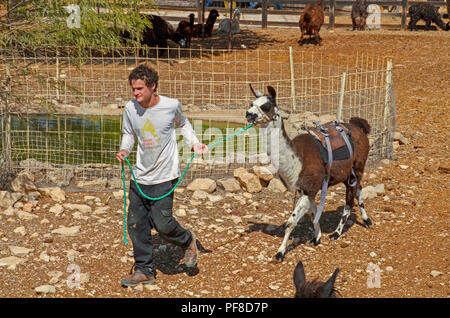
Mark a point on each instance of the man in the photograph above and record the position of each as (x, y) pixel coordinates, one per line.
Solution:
(151, 118)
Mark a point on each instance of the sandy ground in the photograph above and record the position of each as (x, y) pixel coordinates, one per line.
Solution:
(404, 254)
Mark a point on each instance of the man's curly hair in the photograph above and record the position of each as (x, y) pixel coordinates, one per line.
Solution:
(145, 73)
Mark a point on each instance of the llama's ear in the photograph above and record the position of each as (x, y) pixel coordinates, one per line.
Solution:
(255, 92)
(299, 276)
(326, 289)
(272, 92)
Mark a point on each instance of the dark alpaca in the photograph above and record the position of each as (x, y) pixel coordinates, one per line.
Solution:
(158, 34)
(186, 28)
(359, 14)
(314, 289)
(209, 25)
(302, 169)
(311, 20)
(428, 13)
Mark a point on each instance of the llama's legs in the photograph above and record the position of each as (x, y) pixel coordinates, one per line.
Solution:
(364, 216)
(317, 230)
(301, 208)
(350, 198)
(301, 38)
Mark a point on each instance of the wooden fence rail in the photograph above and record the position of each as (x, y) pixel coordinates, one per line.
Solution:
(290, 7)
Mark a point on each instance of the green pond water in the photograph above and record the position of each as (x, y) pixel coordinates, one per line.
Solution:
(96, 139)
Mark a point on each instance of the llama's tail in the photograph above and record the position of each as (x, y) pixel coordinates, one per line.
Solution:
(361, 123)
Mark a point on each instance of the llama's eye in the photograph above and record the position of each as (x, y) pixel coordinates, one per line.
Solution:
(266, 107)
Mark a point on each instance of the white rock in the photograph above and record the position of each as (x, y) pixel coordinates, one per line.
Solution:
(45, 289)
(55, 193)
(180, 212)
(276, 185)
(20, 230)
(373, 254)
(67, 231)
(11, 262)
(44, 256)
(57, 209)
(204, 184)
(25, 216)
(199, 195)
(214, 198)
(435, 273)
(19, 250)
(83, 208)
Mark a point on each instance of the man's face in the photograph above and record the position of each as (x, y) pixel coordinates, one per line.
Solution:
(142, 92)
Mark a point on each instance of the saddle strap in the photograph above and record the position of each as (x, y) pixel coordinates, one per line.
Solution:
(350, 150)
(323, 193)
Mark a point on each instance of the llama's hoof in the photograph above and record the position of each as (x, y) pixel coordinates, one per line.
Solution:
(367, 223)
(278, 258)
(335, 236)
(315, 242)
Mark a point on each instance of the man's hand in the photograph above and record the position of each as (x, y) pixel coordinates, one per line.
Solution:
(200, 149)
(122, 153)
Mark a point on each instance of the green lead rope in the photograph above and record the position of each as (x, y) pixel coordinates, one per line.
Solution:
(168, 193)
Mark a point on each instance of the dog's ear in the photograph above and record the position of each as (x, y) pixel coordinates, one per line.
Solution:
(272, 92)
(255, 92)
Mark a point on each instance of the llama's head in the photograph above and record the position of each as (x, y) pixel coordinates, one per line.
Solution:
(264, 108)
(213, 14)
(237, 13)
(314, 289)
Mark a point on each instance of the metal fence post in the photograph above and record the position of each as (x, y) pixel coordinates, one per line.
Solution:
(404, 7)
(291, 61)
(264, 14)
(341, 96)
(332, 14)
(387, 112)
(7, 123)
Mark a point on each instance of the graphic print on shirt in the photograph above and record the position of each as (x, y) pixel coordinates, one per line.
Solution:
(149, 128)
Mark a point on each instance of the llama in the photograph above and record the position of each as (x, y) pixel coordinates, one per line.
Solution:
(314, 289)
(302, 169)
(208, 26)
(158, 34)
(186, 28)
(311, 20)
(224, 25)
(427, 12)
(359, 14)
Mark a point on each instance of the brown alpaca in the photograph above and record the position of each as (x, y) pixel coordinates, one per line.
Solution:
(209, 25)
(314, 289)
(186, 28)
(311, 20)
(302, 168)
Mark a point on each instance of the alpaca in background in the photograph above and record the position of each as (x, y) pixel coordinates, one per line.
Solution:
(224, 25)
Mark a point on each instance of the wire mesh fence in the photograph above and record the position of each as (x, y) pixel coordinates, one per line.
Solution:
(61, 115)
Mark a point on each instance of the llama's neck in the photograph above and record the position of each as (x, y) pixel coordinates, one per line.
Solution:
(283, 157)
(319, 2)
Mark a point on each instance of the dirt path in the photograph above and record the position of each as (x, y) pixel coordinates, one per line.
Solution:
(408, 243)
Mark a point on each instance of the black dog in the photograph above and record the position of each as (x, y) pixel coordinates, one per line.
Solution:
(359, 14)
(426, 12)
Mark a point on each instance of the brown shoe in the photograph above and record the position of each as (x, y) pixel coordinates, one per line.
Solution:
(137, 278)
(190, 253)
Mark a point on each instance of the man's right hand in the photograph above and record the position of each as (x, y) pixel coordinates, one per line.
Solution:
(122, 153)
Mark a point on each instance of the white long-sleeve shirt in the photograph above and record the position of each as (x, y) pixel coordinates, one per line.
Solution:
(157, 152)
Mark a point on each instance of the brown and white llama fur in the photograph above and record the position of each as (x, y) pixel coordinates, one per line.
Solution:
(301, 167)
